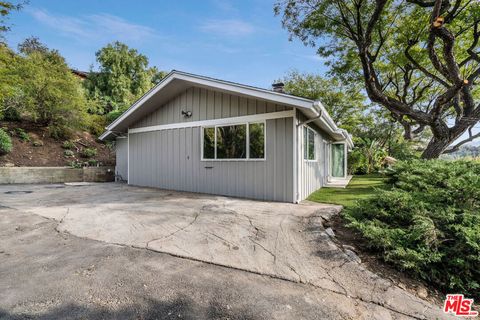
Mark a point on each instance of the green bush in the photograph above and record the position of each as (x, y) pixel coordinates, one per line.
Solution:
(11, 114)
(75, 164)
(59, 131)
(5, 143)
(37, 143)
(113, 115)
(24, 136)
(89, 152)
(428, 224)
(68, 153)
(69, 145)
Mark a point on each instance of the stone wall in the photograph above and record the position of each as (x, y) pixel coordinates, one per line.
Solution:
(11, 175)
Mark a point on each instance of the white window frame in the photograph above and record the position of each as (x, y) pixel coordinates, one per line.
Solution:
(305, 143)
(247, 124)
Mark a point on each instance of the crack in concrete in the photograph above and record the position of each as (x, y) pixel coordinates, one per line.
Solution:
(174, 232)
(257, 229)
(265, 249)
(273, 276)
(62, 220)
(298, 275)
(230, 244)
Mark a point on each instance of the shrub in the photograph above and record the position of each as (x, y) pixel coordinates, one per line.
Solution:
(59, 131)
(5, 143)
(24, 136)
(75, 164)
(37, 143)
(95, 123)
(113, 115)
(68, 153)
(11, 114)
(89, 152)
(69, 145)
(429, 223)
(92, 162)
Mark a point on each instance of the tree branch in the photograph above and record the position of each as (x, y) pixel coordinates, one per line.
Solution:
(461, 143)
(421, 68)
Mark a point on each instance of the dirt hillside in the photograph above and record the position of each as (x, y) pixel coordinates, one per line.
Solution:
(37, 149)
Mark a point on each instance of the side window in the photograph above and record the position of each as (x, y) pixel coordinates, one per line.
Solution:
(308, 144)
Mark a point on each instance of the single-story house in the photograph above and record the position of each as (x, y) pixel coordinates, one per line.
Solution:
(199, 134)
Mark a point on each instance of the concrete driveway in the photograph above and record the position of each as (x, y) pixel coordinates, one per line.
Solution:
(276, 240)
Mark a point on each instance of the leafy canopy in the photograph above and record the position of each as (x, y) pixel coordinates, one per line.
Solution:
(6, 8)
(122, 77)
(37, 83)
(417, 58)
(345, 104)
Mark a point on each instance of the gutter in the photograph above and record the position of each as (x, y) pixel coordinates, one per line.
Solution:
(327, 120)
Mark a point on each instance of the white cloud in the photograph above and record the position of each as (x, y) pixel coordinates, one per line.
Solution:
(229, 27)
(224, 5)
(100, 27)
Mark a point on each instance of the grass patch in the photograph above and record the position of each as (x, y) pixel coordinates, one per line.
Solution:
(360, 187)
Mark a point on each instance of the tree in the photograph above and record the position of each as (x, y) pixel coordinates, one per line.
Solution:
(345, 104)
(9, 81)
(122, 78)
(42, 87)
(418, 59)
(6, 8)
(31, 45)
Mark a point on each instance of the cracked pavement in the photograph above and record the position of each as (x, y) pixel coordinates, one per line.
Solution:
(256, 249)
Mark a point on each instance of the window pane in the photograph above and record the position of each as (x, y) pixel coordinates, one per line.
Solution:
(208, 143)
(311, 145)
(231, 142)
(257, 140)
(305, 143)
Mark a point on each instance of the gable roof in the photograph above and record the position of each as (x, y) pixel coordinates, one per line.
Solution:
(177, 81)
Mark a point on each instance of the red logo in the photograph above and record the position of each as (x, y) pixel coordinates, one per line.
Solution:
(459, 306)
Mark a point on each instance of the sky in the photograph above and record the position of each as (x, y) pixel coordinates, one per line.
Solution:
(235, 40)
(239, 41)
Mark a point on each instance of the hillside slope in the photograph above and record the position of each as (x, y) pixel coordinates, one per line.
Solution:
(40, 150)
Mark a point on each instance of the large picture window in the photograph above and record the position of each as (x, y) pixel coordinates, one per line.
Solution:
(234, 142)
(308, 144)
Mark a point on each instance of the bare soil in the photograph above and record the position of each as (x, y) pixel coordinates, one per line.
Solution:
(49, 151)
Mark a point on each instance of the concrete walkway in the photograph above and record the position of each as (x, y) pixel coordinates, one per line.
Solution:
(278, 240)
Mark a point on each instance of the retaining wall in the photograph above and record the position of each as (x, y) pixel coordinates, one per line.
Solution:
(11, 175)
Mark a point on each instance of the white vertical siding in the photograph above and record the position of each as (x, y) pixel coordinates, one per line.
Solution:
(171, 159)
(311, 174)
(121, 155)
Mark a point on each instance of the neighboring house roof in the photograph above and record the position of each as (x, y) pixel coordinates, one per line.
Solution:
(80, 74)
(177, 81)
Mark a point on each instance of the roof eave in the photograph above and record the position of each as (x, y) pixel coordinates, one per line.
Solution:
(278, 97)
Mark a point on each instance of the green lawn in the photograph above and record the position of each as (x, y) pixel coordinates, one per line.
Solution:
(360, 187)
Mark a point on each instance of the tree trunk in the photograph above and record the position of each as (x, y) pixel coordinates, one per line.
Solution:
(435, 148)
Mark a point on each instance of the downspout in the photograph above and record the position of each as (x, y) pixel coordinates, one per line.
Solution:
(320, 113)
